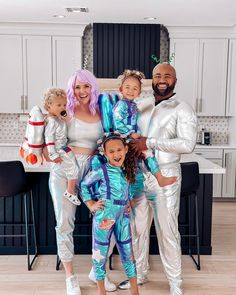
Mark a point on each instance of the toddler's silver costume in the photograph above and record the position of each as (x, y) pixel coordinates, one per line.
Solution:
(80, 134)
(56, 142)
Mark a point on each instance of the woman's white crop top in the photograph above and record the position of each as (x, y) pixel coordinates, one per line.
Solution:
(83, 134)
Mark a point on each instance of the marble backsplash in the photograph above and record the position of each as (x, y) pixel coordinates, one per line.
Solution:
(12, 129)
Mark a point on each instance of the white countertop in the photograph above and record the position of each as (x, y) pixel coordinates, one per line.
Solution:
(215, 146)
(11, 152)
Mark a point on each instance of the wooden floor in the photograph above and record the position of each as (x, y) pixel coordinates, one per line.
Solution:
(218, 274)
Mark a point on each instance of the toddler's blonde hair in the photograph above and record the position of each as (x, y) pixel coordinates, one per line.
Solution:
(52, 94)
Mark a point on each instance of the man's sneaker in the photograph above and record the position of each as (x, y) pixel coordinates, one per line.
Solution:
(109, 286)
(125, 285)
(72, 286)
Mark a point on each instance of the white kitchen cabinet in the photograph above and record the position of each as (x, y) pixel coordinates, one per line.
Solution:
(231, 85)
(201, 66)
(67, 58)
(33, 63)
(11, 66)
(229, 178)
(214, 155)
(37, 60)
(27, 67)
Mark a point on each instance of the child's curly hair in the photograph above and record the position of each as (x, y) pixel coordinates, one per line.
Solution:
(134, 74)
(130, 162)
(52, 94)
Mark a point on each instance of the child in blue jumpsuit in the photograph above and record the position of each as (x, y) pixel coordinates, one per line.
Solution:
(125, 117)
(110, 211)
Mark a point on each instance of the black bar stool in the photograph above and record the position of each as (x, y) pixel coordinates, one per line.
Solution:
(13, 183)
(189, 187)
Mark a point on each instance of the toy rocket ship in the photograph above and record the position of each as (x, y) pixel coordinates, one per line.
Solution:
(31, 149)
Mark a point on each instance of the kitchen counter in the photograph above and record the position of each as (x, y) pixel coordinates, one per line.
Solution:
(44, 214)
(215, 146)
(9, 153)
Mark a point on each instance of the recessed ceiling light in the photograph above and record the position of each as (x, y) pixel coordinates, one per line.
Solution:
(59, 16)
(77, 9)
(150, 18)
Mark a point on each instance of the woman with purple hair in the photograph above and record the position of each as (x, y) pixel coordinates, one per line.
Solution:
(84, 128)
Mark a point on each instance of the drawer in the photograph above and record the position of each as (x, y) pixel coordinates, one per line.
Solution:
(209, 153)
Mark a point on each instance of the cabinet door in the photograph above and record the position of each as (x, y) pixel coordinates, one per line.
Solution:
(186, 64)
(37, 69)
(231, 85)
(66, 59)
(11, 74)
(217, 180)
(229, 178)
(215, 156)
(212, 77)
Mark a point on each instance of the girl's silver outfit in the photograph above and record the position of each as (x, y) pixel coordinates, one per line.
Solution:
(171, 128)
(80, 134)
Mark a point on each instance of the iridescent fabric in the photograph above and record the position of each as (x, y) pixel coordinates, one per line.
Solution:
(113, 219)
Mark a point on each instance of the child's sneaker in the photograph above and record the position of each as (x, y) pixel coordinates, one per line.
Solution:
(72, 198)
(109, 286)
(72, 286)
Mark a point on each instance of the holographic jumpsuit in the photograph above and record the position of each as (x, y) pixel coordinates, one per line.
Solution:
(114, 190)
(125, 117)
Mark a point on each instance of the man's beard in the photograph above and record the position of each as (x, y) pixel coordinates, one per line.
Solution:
(169, 89)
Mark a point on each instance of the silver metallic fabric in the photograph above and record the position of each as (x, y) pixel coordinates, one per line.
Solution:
(171, 131)
(64, 209)
(83, 134)
(55, 140)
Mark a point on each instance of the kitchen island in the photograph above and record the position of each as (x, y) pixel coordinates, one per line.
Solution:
(11, 212)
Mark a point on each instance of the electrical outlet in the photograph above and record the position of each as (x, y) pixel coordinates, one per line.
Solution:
(15, 124)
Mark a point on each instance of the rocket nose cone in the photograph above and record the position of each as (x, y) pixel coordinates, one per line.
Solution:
(63, 114)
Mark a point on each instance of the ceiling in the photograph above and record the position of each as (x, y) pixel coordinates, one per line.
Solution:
(167, 12)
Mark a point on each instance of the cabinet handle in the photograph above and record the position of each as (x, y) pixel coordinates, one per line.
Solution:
(26, 102)
(22, 103)
(226, 159)
(200, 109)
(196, 106)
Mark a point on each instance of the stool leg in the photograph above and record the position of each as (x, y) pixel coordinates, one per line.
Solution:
(58, 263)
(197, 233)
(189, 226)
(110, 262)
(34, 230)
(26, 231)
(197, 263)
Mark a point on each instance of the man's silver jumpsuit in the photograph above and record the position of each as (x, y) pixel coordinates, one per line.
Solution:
(171, 128)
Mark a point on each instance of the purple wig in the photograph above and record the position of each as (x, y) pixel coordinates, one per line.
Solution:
(83, 76)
